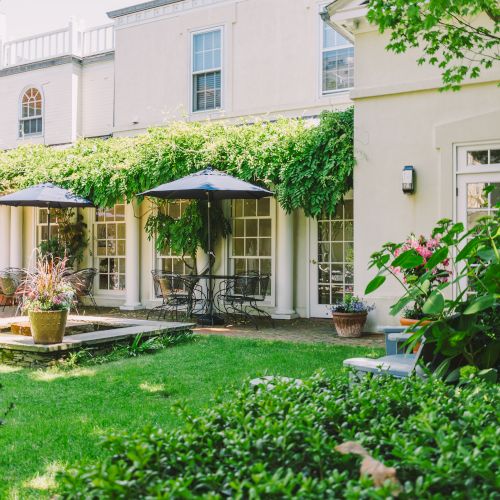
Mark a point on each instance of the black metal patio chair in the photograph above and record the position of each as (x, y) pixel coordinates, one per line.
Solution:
(82, 282)
(179, 294)
(240, 297)
(11, 284)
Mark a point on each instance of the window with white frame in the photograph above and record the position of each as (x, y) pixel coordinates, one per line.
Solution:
(167, 260)
(30, 116)
(42, 227)
(110, 233)
(337, 61)
(251, 238)
(207, 70)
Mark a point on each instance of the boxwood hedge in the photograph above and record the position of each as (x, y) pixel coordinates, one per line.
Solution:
(278, 443)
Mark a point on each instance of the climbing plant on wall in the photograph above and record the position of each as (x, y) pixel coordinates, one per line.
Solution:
(307, 164)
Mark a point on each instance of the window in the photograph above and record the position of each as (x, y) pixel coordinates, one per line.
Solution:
(110, 247)
(167, 260)
(483, 157)
(251, 249)
(42, 225)
(30, 120)
(337, 59)
(480, 204)
(207, 69)
(336, 254)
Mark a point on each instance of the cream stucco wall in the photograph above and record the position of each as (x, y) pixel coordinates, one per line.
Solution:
(402, 119)
(271, 63)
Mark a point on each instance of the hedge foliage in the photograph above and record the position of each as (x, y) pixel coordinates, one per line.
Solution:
(308, 166)
(279, 443)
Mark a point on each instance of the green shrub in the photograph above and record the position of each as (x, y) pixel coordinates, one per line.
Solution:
(443, 441)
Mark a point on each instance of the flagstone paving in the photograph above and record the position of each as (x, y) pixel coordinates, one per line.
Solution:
(310, 330)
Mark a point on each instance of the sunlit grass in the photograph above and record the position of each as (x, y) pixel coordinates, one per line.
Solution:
(60, 415)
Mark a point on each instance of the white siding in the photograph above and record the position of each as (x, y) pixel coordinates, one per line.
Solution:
(97, 98)
(56, 84)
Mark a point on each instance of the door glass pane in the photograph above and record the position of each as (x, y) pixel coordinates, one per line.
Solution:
(479, 202)
(335, 254)
(477, 157)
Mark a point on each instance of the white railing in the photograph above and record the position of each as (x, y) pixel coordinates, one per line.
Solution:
(97, 40)
(66, 41)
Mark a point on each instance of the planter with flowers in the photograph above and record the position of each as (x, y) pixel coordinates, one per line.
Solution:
(410, 264)
(47, 297)
(349, 316)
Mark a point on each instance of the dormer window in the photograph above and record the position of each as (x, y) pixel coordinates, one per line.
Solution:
(30, 119)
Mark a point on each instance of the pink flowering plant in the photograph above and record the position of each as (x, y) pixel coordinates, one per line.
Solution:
(46, 289)
(453, 280)
(418, 265)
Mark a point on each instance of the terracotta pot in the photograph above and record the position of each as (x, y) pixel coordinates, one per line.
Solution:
(349, 324)
(47, 327)
(410, 322)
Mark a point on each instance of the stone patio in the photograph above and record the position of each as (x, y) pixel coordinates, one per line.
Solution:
(99, 333)
(311, 330)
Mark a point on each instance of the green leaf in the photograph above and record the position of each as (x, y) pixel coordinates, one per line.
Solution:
(480, 304)
(408, 259)
(374, 284)
(437, 258)
(434, 305)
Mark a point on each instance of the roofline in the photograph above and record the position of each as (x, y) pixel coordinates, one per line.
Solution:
(344, 19)
(152, 4)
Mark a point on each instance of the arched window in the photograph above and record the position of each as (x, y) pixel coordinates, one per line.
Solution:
(30, 119)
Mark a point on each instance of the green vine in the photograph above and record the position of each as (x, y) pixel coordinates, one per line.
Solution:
(185, 234)
(71, 241)
(308, 166)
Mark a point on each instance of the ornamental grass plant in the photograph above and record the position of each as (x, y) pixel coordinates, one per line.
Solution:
(45, 287)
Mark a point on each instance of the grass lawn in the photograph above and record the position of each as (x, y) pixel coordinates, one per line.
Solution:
(59, 416)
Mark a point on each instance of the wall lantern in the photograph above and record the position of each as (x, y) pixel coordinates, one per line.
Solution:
(408, 179)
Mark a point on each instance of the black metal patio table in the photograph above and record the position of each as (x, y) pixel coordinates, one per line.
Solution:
(207, 317)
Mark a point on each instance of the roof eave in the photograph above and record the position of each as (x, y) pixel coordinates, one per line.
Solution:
(344, 15)
(132, 9)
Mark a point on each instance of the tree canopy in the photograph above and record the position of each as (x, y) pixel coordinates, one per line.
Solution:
(461, 37)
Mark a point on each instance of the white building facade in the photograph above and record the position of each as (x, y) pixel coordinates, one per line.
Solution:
(186, 60)
(192, 60)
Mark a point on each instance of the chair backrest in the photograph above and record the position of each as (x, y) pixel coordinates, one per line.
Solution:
(82, 281)
(246, 285)
(10, 280)
(168, 284)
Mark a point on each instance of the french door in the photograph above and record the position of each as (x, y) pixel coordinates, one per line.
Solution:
(331, 258)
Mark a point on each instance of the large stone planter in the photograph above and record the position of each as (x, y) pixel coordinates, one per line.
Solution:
(48, 327)
(349, 324)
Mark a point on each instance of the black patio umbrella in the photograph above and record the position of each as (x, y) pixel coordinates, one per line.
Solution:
(209, 185)
(47, 196)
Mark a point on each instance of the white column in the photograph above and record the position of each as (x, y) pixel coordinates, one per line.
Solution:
(5, 232)
(284, 268)
(133, 258)
(16, 237)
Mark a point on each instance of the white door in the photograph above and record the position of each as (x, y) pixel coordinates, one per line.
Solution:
(331, 259)
(477, 168)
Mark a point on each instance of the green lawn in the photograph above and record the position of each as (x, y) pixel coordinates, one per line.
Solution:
(59, 416)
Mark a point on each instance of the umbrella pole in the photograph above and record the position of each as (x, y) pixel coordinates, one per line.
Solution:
(209, 246)
(48, 223)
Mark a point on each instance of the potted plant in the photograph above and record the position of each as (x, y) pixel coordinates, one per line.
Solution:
(47, 297)
(349, 316)
(409, 263)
